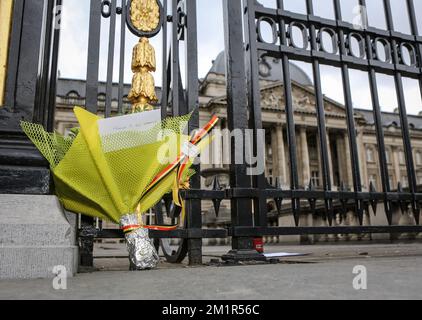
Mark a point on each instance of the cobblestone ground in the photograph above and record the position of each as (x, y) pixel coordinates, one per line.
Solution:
(393, 272)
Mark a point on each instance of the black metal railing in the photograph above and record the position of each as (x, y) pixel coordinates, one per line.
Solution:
(251, 221)
(244, 38)
(29, 95)
(179, 25)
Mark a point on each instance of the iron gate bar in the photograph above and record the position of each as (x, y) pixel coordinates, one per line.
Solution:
(291, 128)
(415, 33)
(122, 56)
(386, 188)
(357, 184)
(110, 61)
(87, 232)
(164, 93)
(411, 174)
(322, 129)
(237, 117)
(54, 67)
(175, 64)
(193, 207)
(93, 65)
(255, 114)
(47, 78)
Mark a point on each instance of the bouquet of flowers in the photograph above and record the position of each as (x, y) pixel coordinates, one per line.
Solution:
(119, 168)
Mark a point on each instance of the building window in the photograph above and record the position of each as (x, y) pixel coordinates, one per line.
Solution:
(370, 155)
(373, 179)
(388, 156)
(73, 98)
(315, 178)
(420, 180)
(126, 103)
(391, 180)
(313, 148)
(102, 99)
(404, 182)
(402, 159)
(418, 158)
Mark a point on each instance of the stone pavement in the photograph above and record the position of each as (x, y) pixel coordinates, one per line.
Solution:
(393, 272)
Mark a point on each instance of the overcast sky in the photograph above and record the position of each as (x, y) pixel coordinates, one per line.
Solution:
(74, 43)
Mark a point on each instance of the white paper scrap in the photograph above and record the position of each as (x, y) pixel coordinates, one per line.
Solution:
(283, 255)
(142, 121)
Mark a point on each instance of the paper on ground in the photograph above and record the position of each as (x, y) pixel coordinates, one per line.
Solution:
(283, 255)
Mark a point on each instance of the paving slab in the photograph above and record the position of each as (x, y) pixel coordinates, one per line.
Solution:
(393, 272)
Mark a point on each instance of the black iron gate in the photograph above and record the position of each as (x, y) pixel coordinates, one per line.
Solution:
(283, 46)
(179, 24)
(249, 219)
(249, 193)
(245, 46)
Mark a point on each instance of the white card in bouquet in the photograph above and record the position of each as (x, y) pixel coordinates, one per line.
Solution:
(123, 132)
(142, 121)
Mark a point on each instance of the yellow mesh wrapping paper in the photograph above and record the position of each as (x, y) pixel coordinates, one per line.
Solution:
(106, 177)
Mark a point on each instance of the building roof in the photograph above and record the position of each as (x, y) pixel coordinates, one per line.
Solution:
(67, 86)
(391, 119)
(270, 69)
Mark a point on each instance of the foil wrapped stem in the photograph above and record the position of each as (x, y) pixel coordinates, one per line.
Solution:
(142, 253)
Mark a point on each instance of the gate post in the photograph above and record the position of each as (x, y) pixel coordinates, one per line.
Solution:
(192, 100)
(237, 116)
(29, 95)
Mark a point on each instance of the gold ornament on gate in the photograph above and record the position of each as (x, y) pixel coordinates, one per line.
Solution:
(142, 94)
(145, 14)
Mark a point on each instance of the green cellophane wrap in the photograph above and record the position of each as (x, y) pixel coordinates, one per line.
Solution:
(107, 176)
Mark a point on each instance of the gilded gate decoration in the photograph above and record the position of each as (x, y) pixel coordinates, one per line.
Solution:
(145, 14)
(142, 93)
(145, 17)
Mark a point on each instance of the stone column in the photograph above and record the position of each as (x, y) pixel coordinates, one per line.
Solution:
(281, 155)
(274, 148)
(348, 159)
(341, 156)
(305, 156)
(362, 160)
(396, 163)
(344, 159)
(330, 160)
